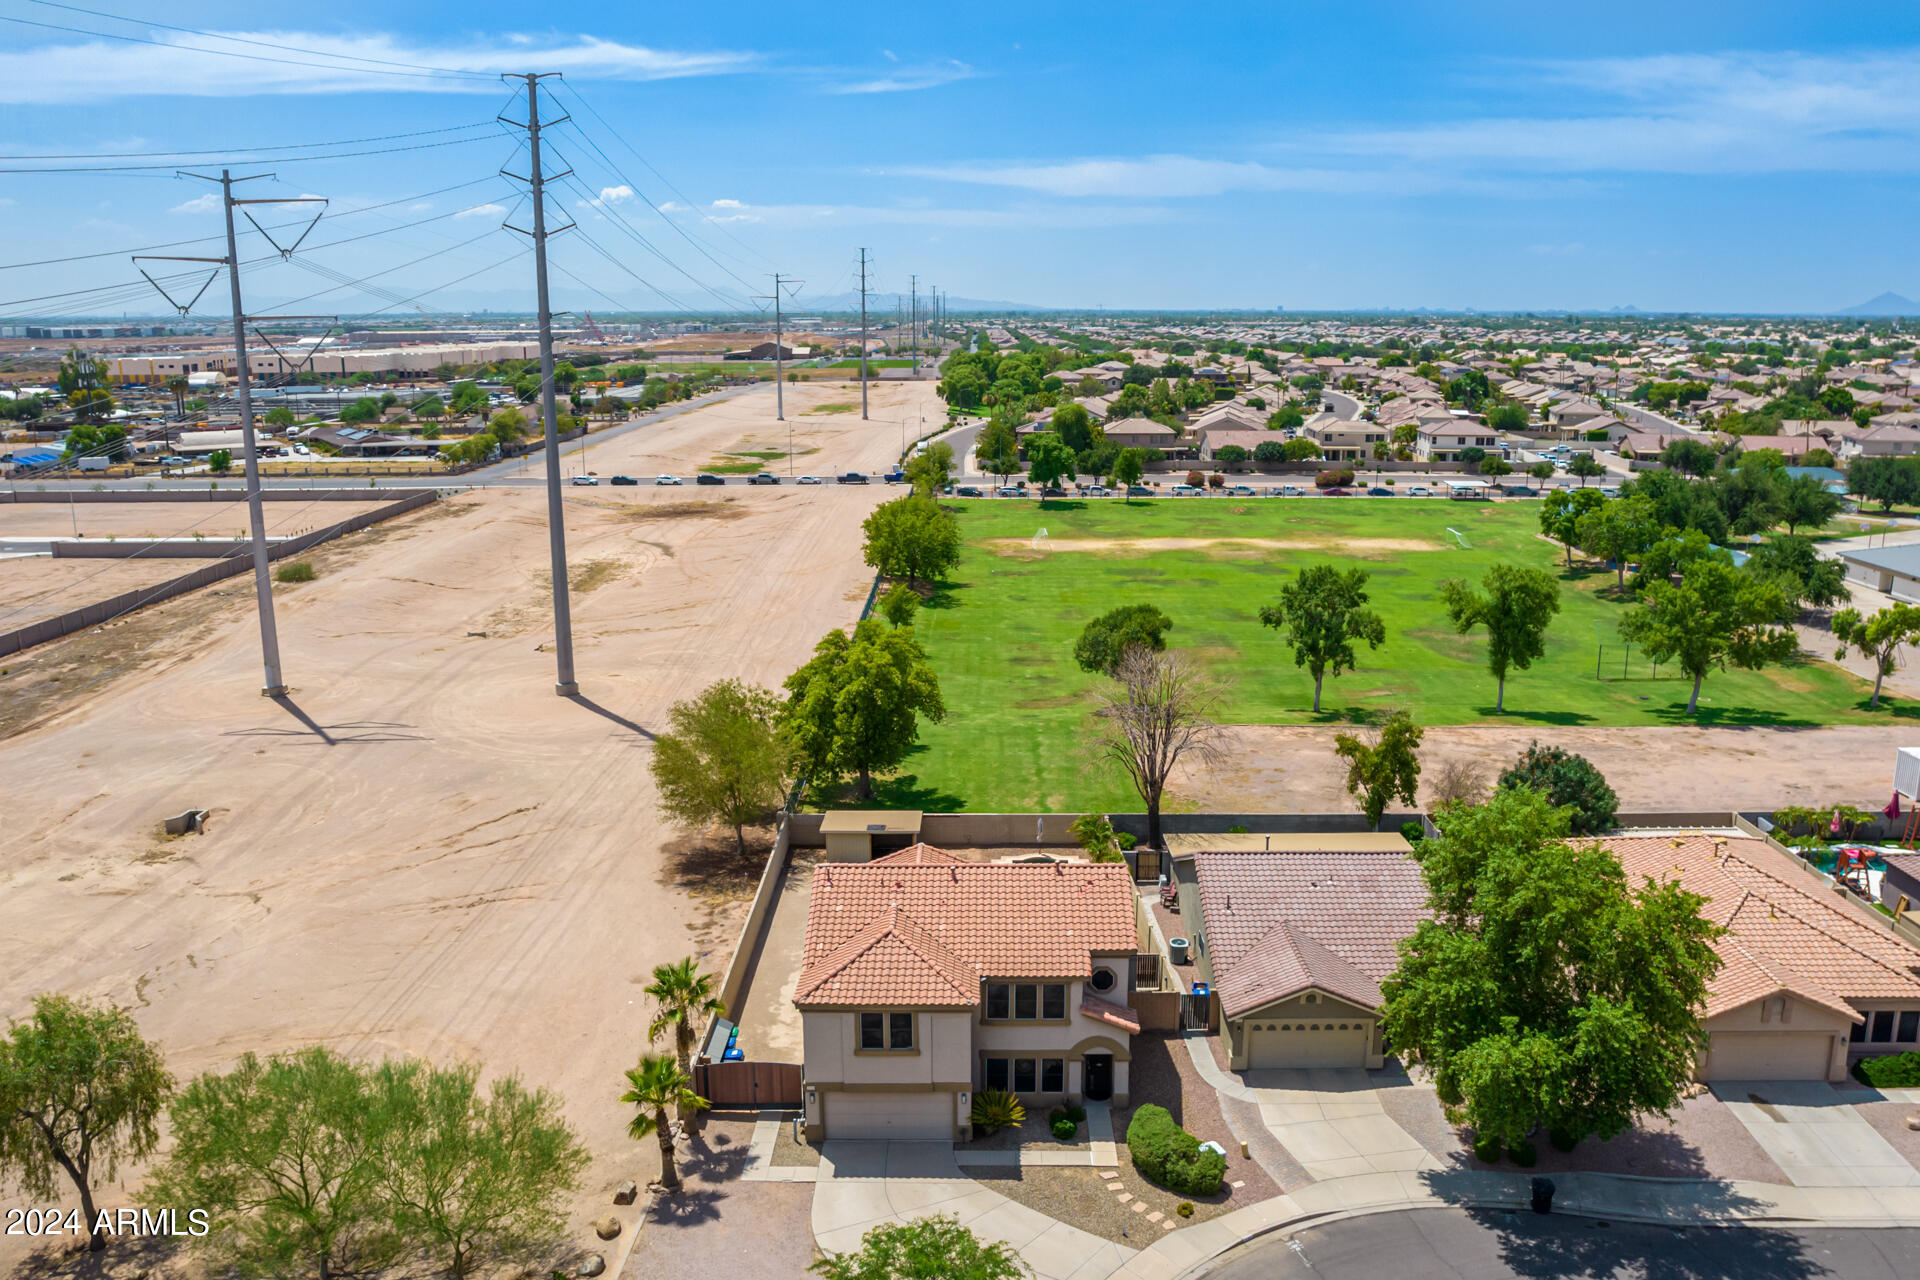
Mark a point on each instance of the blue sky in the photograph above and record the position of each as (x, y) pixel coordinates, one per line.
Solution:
(1672, 156)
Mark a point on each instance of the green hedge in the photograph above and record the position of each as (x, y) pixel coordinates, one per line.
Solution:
(1166, 1154)
(1894, 1071)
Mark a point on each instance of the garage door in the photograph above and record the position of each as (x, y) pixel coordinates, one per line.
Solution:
(1762, 1055)
(897, 1116)
(1278, 1043)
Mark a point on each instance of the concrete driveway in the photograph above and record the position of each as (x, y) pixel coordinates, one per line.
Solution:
(1815, 1135)
(863, 1184)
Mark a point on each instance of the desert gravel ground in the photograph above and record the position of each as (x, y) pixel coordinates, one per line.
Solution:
(424, 851)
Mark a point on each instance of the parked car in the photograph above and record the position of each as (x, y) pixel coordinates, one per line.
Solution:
(1187, 491)
(666, 479)
(175, 460)
(1053, 491)
(625, 480)
(809, 480)
(1337, 492)
(1419, 491)
(583, 480)
(853, 477)
(707, 477)
(1289, 491)
(765, 477)
(968, 491)
(1379, 491)
(1098, 491)
(1139, 491)
(896, 476)
(1240, 490)
(1011, 491)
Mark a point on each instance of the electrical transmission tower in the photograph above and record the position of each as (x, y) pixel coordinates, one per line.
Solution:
(779, 365)
(863, 335)
(564, 683)
(913, 324)
(275, 684)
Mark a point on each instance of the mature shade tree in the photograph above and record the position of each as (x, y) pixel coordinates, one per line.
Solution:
(1229, 454)
(854, 708)
(1507, 417)
(1887, 481)
(279, 417)
(1049, 460)
(681, 996)
(285, 1156)
(931, 470)
(1128, 470)
(1106, 639)
(1803, 502)
(79, 1092)
(429, 407)
(721, 759)
(1321, 612)
(1382, 765)
(1717, 616)
(899, 605)
(657, 1089)
(931, 1248)
(96, 440)
(1300, 448)
(1680, 503)
(1585, 467)
(1544, 992)
(1879, 637)
(1750, 493)
(1689, 457)
(1541, 470)
(1619, 530)
(476, 1173)
(1673, 552)
(1496, 466)
(1270, 452)
(1803, 575)
(1076, 427)
(1569, 782)
(1158, 711)
(912, 537)
(1515, 605)
(997, 449)
(1286, 418)
(1560, 513)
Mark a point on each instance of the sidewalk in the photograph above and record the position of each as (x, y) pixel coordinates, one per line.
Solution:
(1101, 1152)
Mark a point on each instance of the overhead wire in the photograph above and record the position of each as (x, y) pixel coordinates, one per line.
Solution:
(336, 155)
(620, 221)
(234, 151)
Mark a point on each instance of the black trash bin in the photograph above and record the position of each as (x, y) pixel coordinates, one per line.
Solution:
(1543, 1195)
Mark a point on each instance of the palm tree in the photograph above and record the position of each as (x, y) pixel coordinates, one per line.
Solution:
(681, 993)
(659, 1086)
(179, 386)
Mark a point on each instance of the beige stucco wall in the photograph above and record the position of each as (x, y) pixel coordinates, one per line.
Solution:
(1233, 1031)
(1788, 1015)
(943, 1055)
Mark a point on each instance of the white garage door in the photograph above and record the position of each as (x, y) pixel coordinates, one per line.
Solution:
(897, 1116)
(1768, 1055)
(1274, 1042)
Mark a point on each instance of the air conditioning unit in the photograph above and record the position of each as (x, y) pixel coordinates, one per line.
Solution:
(1906, 772)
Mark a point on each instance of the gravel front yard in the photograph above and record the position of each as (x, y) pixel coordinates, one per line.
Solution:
(1889, 1119)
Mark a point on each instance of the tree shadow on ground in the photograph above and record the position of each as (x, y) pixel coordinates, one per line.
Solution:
(1639, 1153)
(1889, 706)
(124, 1258)
(944, 595)
(1730, 718)
(1563, 718)
(1531, 1245)
(710, 861)
(906, 791)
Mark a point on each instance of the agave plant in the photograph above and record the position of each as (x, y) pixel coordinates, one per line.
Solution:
(997, 1109)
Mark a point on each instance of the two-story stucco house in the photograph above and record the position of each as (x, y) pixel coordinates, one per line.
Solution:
(926, 978)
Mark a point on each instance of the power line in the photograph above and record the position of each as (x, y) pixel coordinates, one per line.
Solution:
(234, 151)
(619, 220)
(338, 155)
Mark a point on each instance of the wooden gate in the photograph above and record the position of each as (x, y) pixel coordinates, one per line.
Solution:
(748, 1085)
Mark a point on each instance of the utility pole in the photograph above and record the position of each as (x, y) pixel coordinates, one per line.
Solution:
(274, 683)
(564, 683)
(779, 366)
(913, 331)
(863, 335)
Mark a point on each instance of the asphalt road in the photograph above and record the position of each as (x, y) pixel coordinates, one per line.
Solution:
(1343, 404)
(1492, 1245)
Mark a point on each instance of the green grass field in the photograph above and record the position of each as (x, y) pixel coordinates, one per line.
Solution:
(1000, 635)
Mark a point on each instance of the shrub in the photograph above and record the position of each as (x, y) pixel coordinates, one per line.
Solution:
(1184, 1208)
(1064, 1129)
(1196, 479)
(1413, 832)
(298, 571)
(1568, 781)
(1073, 1112)
(1525, 1155)
(1486, 1150)
(1563, 1139)
(1894, 1071)
(1333, 476)
(997, 1109)
(1125, 839)
(1166, 1154)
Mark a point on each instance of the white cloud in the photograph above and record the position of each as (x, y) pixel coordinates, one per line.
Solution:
(208, 203)
(608, 195)
(1173, 176)
(181, 65)
(420, 206)
(728, 204)
(890, 55)
(908, 79)
(670, 206)
(488, 210)
(1076, 215)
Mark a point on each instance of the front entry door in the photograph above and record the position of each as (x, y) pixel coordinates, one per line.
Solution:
(1099, 1076)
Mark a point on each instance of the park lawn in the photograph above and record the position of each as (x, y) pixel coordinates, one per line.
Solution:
(1000, 636)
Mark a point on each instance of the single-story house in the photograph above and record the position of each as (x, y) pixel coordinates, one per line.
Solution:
(926, 978)
(1142, 433)
(1212, 439)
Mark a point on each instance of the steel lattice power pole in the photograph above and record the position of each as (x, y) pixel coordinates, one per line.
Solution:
(913, 323)
(564, 683)
(863, 335)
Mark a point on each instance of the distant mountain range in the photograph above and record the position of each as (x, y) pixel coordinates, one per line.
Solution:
(1887, 304)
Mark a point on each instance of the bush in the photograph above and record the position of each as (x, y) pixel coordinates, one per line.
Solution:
(1168, 1155)
(1486, 1150)
(1894, 1071)
(1064, 1129)
(1413, 832)
(1073, 1112)
(1333, 476)
(1184, 1208)
(298, 571)
(997, 1109)
(1125, 839)
(1563, 1139)
(1568, 781)
(1525, 1155)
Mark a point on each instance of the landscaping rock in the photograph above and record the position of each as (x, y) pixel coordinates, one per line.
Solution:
(591, 1265)
(625, 1193)
(1913, 1121)
(607, 1228)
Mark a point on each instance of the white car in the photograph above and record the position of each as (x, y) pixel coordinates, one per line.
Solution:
(583, 480)
(801, 480)
(1419, 491)
(666, 479)
(1098, 491)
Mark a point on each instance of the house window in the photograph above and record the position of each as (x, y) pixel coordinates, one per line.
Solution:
(1909, 1027)
(997, 1074)
(1857, 1034)
(1102, 980)
(1053, 1075)
(1027, 1001)
(882, 1031)
(998, 998)
(1053, 1001)
(1023, 1075)
(1883, 1026)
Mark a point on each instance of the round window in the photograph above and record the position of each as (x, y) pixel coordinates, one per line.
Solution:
(1102, 980)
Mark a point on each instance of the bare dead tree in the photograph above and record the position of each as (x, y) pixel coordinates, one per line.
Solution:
(1157, 711)
(1459, 779)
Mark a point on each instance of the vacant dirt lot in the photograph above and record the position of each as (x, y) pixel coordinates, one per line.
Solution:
(169, 519)
(424, 851)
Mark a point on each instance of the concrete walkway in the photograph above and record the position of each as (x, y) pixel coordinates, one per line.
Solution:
(1815, 1135)
(863, 1184)
(1101, 1152)
(759, 1166)
(1329, 1119)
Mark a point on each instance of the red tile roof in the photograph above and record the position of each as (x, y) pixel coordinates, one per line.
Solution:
(1285, 963)
(921, 855)
(996, 919)
(1117, 1015)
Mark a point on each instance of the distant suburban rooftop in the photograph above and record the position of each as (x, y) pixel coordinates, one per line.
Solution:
(1186, 844)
